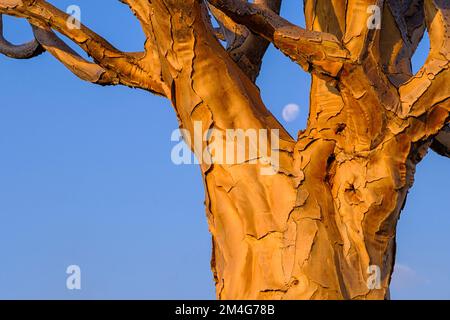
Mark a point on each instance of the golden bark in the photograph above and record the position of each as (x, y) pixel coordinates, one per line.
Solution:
(315, 228)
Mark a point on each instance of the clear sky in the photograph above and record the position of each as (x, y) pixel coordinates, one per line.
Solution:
(86, 178)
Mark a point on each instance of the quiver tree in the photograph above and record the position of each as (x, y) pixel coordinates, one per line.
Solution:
(326, 218)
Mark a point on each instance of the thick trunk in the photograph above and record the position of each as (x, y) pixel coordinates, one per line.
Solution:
(323, 228)
(324, 225)
(313, 229)
(307, 218)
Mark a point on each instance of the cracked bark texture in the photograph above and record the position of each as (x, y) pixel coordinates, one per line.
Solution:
(311, 230)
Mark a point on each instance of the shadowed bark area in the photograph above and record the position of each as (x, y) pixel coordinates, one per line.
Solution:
(317, 226)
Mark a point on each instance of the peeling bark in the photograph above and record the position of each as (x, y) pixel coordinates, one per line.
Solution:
(314, 228)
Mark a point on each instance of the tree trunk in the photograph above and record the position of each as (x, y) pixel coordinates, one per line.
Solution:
(320, 227)
(323, 226)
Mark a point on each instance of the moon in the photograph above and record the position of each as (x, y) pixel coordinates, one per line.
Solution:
(290, 112)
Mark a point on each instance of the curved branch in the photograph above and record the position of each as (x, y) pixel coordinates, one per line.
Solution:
(317, 52)
(25, 51)
(83, 69)
(430, 85)
(234, 33)
(402, 30)
(126, 65)
(246, 49)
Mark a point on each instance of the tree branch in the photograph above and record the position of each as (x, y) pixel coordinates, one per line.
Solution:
(233, 33)
(126, 65)
(83, 69)
(430, 85)
(25, 51)
(326, 16)
(358, 37)
(402, 30)
(317, 52)
(246, 49)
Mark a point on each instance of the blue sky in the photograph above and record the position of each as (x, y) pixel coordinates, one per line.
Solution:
(86, 178)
